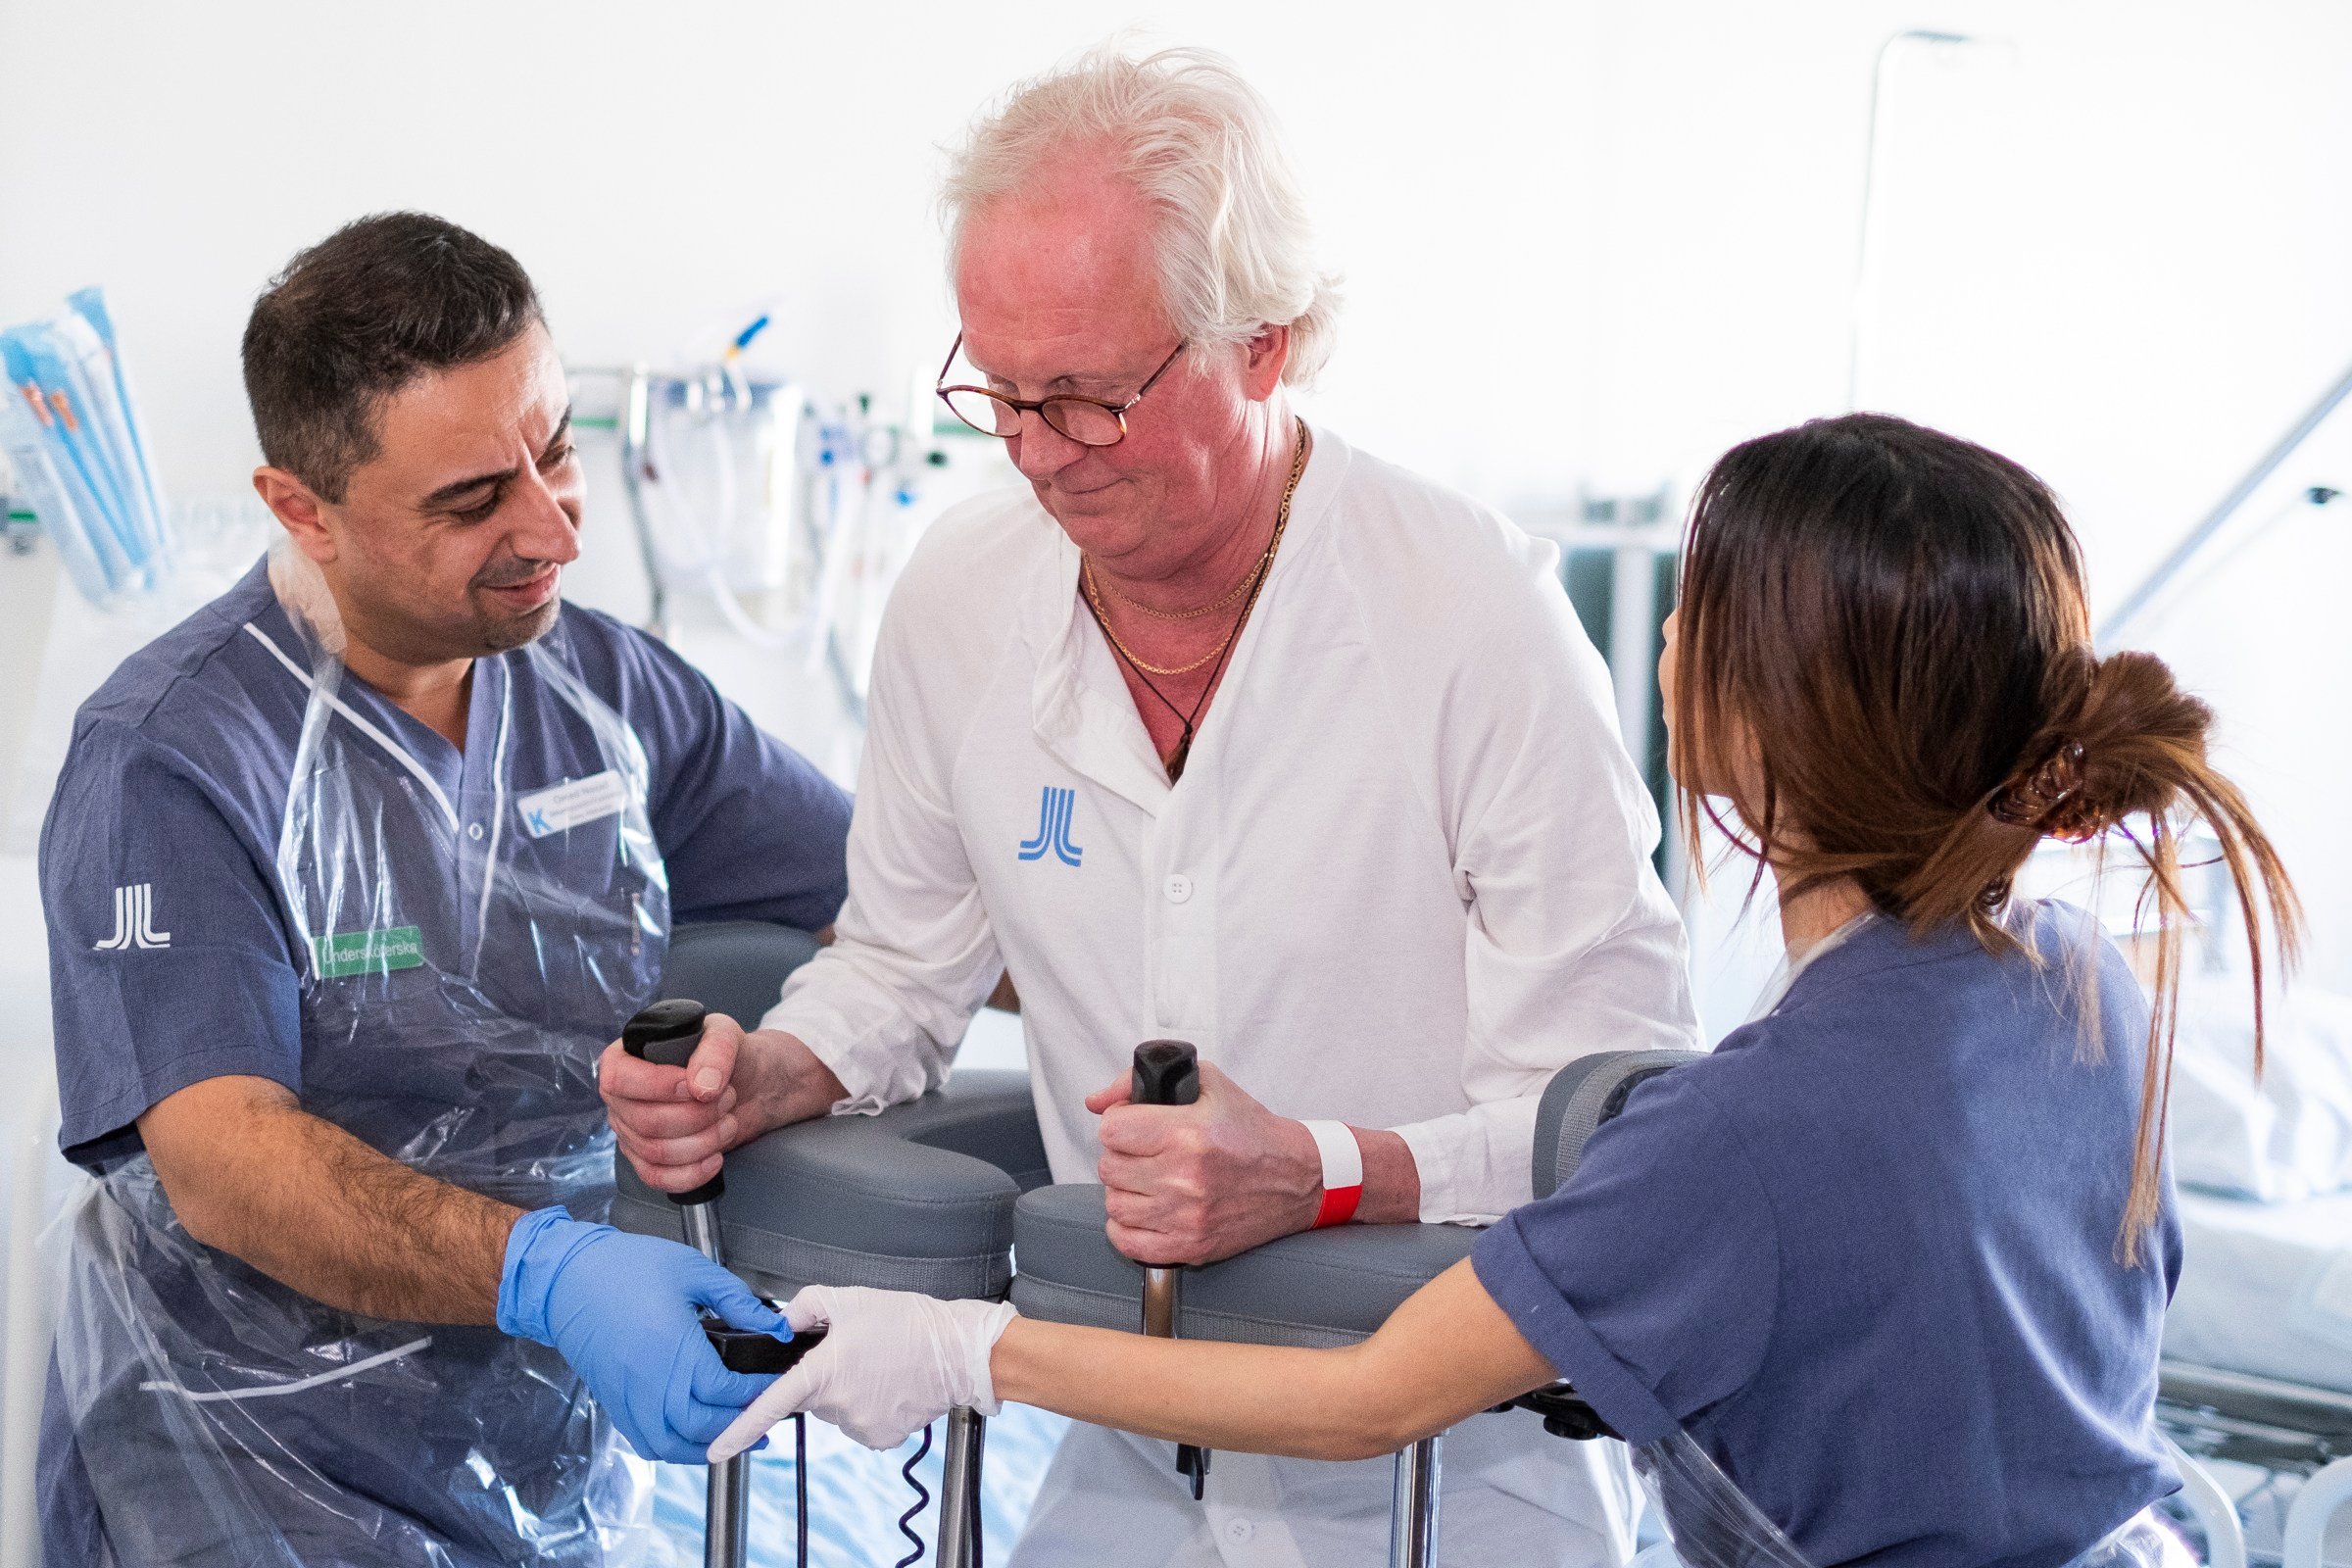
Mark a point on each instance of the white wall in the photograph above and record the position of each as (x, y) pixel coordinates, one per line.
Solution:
(1584, 243)
(1577, 239)
(658, 167)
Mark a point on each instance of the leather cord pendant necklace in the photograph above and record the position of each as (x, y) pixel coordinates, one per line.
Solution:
(1254, 582)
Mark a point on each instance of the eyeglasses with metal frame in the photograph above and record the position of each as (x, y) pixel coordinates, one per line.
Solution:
(1088, 421)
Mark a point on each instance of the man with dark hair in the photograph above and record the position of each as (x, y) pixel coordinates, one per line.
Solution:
(349, 878)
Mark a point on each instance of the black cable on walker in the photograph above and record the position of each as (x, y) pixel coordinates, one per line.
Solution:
(922, 1500)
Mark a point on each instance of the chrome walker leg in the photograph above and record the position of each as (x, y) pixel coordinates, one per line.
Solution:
(1413, 1506)
(725, 1511)
(726, 1501)
(960, 1489)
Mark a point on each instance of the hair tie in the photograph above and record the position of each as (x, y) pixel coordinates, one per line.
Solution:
(2049, 800)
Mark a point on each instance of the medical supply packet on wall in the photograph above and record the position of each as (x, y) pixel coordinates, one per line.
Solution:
(71, 429)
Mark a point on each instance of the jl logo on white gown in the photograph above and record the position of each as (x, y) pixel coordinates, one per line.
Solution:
(1053, 828)
(134, 920)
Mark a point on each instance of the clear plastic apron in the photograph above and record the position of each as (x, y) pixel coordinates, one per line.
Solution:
(1711, 1524)
(451, 1021)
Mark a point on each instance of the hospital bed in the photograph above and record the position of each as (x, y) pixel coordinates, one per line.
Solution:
(2267, 1292)
(2258, 1352)
(2257, 1342)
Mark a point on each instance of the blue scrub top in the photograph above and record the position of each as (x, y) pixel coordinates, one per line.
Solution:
(166, 823)
(1865, 1255)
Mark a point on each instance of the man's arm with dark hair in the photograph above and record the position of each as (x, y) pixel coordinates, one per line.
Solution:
(191, 1044)
(253, 1174)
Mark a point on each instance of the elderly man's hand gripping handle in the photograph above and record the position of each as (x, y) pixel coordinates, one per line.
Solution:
(676, 1121)
(1199, 1182)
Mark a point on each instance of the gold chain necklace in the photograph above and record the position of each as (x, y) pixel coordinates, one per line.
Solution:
(1249, 578)
(1250, 582)
(1257, 580)
(1093, 597)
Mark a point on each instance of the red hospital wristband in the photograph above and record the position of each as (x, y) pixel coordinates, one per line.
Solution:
(1343, 1171)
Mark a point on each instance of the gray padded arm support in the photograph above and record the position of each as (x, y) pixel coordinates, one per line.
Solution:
(1316, 1289)
(1319, 1288)
(1582, 1095)
(735, 966)
(919, 1198)
(916, 1199)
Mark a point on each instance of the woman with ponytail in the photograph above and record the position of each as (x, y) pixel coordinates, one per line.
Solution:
(1883, 1278)
(1881, 667)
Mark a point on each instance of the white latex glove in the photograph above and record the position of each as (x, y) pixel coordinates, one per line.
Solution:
(891, 1362)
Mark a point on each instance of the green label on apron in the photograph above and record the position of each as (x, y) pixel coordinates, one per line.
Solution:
(400, 946)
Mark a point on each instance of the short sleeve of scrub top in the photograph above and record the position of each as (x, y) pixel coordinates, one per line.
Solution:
(748, 828)
(167, 957)
(1649, 1281)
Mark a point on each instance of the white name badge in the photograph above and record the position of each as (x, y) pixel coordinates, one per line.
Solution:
(568, 805)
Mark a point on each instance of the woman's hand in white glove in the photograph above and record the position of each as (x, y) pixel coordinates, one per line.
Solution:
(891, 1362)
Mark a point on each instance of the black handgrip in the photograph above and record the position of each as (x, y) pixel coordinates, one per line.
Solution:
(1167, 1073)
(666, 1034)
(1565, 1414)
(757, 1352)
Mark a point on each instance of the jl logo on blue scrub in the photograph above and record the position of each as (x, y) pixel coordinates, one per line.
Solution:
(134, 921)
(1053, 828)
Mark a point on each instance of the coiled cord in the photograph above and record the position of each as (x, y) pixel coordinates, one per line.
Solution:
(922, 1500)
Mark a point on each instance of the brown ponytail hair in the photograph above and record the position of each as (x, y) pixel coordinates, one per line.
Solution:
(1890, 623)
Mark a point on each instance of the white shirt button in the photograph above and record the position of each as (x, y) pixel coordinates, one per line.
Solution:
(1239, 1530)
(473, 830)
(1179, 887)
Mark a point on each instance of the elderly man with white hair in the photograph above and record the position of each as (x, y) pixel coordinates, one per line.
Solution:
(1224, 731)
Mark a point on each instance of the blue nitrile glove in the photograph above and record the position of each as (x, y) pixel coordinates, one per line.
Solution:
(622, 1310)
